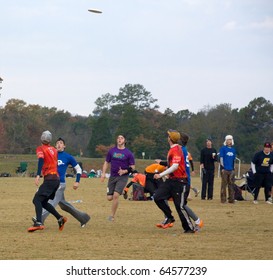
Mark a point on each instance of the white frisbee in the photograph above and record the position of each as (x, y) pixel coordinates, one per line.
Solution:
(95, 11)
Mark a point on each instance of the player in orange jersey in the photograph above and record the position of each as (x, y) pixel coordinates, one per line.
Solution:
(47, 166)
(146, 180)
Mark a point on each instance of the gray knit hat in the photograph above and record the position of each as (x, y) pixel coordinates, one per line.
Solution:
(46, 137)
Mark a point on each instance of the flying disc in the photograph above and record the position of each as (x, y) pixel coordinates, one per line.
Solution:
(95, 11)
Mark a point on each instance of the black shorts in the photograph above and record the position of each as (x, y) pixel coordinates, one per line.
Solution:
(48, 189)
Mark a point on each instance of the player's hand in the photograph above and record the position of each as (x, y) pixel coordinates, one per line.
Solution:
(76, 185)
(122, 171)
(37, 178)
(102, 177)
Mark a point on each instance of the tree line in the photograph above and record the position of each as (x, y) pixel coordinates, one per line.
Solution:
(134, 112)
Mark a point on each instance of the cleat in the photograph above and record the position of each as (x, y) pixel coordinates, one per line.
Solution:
(125, 195)
(61, 223)
(268, 202)
(111, 219)
(84, 224)
(189, 231)
(162, 223)
(199, 226)
(168, 222)
(36, 226)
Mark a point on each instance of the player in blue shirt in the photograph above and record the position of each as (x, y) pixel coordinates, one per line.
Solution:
(198, 222)
(64, 160)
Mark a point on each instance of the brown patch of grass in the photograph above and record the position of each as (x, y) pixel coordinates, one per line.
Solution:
(241, 231)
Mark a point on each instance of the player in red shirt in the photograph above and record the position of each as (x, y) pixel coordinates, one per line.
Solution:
(174, 186)
(47, 165)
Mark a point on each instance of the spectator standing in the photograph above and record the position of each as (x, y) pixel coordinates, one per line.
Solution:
(208, 156)
(262, 167)
(227, 162)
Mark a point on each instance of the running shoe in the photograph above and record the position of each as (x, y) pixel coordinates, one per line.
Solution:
(36, 226)
(111, 219)
(87, 220)
(168, 222)
(125, 194)
(199, 226)
(61, 223)
(189, 231)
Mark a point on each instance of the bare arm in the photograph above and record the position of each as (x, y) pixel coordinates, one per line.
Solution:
(104, 168)
(167, 171)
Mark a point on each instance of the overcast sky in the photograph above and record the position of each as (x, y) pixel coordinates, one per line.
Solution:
(189, 54)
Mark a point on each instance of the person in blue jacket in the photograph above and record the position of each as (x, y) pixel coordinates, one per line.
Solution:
(64, 160)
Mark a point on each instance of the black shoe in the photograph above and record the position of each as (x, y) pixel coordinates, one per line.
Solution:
(61, 223)
(125, 195)
(87, 220)
(189, 231)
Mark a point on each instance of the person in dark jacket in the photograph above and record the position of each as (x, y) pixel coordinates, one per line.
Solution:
(208, 157)
(262, 167)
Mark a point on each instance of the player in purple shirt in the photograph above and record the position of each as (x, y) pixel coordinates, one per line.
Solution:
(122, 164)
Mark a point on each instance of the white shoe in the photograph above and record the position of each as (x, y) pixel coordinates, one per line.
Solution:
(255, 201)
(270, 199)
(268, 202)
(111, 219)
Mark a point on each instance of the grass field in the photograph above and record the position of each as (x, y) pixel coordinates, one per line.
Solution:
(242, 231)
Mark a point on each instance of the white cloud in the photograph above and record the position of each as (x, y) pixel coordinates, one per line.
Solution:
(267, 23)
(55, 47)
(231, 25)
